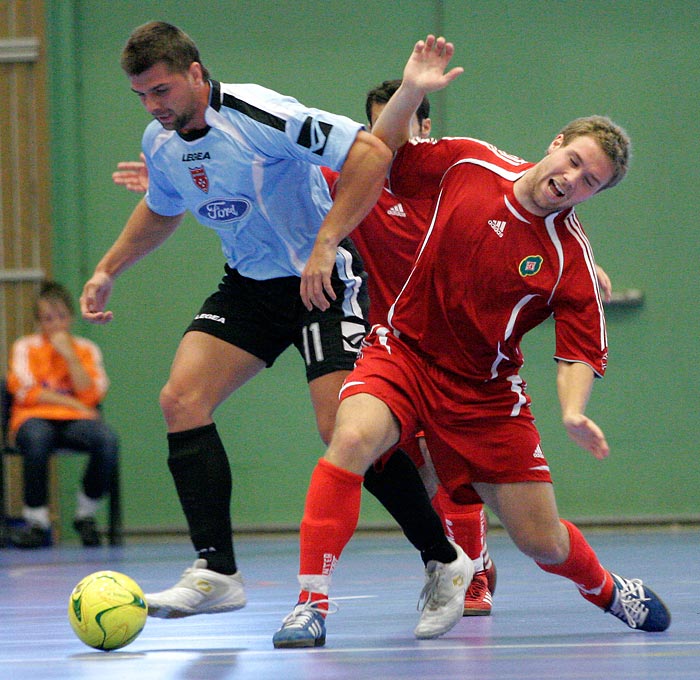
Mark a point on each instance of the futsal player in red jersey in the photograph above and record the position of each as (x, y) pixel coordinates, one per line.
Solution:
(503, 252)
(387, 240)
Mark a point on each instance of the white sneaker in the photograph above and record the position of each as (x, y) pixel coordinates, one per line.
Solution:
(442, 597)
(199, 591)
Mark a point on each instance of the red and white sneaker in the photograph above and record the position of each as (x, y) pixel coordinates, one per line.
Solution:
(490, 568)
(478, 600)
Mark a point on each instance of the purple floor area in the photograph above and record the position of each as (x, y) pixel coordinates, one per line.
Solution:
(540, 627)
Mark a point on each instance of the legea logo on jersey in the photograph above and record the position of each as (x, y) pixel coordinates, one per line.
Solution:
(224, 210)
(530, 265)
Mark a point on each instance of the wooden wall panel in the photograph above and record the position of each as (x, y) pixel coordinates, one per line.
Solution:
(25, 225)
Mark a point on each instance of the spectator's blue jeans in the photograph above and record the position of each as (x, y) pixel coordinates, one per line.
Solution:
(37, 439)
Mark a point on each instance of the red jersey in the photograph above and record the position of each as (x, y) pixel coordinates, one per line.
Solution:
(488, 271)
(387, 240)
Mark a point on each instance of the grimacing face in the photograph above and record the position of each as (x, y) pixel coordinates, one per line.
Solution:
(566, 176)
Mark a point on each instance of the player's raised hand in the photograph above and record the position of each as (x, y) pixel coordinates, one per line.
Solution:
(425, 72)
(426, 68)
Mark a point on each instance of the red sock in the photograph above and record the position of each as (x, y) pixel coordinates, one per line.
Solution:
(321, 600)
(436, 502)
(583, 568)
(330, 517)
(464, 524)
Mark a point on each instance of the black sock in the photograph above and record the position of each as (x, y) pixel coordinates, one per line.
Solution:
(399, 488)
(202, 474)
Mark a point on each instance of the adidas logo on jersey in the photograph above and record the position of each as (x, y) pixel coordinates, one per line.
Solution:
(538, 452)
(499, 226)
(396, 211)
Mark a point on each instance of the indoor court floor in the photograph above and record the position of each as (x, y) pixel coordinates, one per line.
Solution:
(540, 626)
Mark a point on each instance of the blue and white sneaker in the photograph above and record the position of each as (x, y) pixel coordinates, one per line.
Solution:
(638, 606)
(305, 626)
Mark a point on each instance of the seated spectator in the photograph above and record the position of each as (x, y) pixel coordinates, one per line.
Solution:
(57, 381)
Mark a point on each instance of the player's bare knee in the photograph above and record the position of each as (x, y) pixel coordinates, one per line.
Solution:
(350, 449)
(544, 548)
(180, 409)
(325, 426)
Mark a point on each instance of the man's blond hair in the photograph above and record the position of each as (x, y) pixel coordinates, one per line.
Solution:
(613, 140)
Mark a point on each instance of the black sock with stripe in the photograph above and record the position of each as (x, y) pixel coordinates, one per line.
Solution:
(202, 474)
(400, 489)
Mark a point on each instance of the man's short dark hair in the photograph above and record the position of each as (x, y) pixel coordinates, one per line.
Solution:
(384, 92)
(160, 42)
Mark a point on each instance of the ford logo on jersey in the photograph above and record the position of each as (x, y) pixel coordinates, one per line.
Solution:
(224, 209)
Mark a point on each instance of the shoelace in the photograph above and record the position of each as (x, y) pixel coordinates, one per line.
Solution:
(303, 613)
(478, 588)
(630, 603)
(431, 588)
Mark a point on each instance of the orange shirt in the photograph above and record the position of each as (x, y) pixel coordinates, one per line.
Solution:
(35, 365)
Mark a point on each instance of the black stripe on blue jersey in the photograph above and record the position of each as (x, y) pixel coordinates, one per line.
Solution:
(314, 135)
(215, 95)
(231, 102)
(264, 117)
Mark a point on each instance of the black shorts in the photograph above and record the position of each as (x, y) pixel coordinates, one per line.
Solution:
(265, 317)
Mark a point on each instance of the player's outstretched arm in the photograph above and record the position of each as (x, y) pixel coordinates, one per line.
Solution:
(143, 233)
(604, 283)
(574, 384)
(357, 190)
(425, 72)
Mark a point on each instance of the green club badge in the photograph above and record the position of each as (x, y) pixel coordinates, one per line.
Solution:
(530, 265)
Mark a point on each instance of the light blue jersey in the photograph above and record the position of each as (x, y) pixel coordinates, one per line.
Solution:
(253, 175)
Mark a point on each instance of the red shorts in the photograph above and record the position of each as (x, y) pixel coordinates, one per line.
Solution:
(409, 446)
(475, 431)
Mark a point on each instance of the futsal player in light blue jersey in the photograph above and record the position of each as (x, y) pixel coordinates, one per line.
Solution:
(245, 161)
